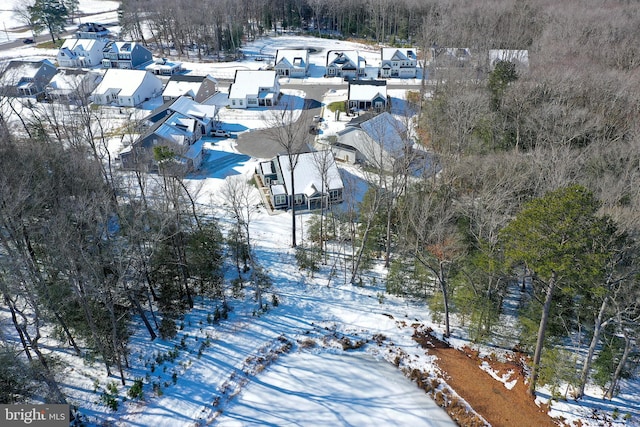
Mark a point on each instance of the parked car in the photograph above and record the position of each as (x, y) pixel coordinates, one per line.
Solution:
(219, 133)
(28, 40)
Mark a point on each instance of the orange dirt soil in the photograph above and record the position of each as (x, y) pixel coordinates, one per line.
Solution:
(498, 405)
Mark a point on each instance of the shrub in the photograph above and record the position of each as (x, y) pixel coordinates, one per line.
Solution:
(135, 392)
(168, 328)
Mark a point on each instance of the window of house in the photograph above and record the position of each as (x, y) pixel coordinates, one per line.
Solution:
(233, 102)
(280, 199)
(335, 195)
(299, 199)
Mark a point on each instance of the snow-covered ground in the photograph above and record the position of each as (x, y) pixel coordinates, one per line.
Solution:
(286, 365)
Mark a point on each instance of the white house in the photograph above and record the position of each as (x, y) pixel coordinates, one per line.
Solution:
(292, 62)
(126, 88)
(379, 140)
(398, 62)
(311, 190)
(254, 89)
(164, 67)
(367, 95)
(78, 53)
(72, 85)
(345, 63)
(198, 88)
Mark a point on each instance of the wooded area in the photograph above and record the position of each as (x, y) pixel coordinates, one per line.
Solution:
(536, 186)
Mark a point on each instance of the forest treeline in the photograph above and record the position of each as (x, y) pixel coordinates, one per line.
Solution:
(533, 185)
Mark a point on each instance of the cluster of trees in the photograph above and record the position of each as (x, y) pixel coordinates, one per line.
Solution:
(49, 15)
(84, 247)
(531, 183)
(534, 186)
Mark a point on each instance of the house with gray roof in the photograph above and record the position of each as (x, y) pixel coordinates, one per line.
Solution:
(204, 114)
(164, 67)
(72, 85)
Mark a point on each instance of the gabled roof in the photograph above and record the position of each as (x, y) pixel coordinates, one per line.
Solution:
(307, 174)
(17, 70)
(186, 106)
(367, 90)
(387, 131)
(186, 84)
(128, 81)
(177, 128)
(119, 46)
(249, 82)
(67, 80)
(292, 57)
(83, 44)
(345, 59)
(398, 54)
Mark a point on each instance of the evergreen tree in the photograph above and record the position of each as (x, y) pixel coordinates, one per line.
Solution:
(49, 14)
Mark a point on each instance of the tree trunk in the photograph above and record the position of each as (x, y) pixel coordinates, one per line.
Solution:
(140, 311)
(293, 206)
(445, 298)
(586, 366)
(616, 375)
(544, 319)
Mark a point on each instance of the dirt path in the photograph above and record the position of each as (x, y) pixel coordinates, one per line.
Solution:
(500, 406)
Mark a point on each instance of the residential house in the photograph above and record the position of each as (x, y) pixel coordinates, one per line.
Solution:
(398, 62)
(125, 55)
(26, 78)
(77, 53)
(292, 62)
(205, 115)
(126, 88)
(254, 89)
(72, 85)
(367, 95)
(311, 190)
(379, 140)
(92, 30)
(198, 88)
(164, 67)
(346, 63)
(518, 57)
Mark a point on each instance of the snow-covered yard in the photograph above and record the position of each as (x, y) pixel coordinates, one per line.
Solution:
(287, 365)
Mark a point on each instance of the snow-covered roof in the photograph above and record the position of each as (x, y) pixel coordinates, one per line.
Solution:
(248, 82)
(366, 92)
(307, 172)
(511, 55)
(294, 57)
(342, 57)
(189, 107)
(164, 66)
(82, 44)
(17, 70)
(177, 128)
(72, 80)
(128, 81)
(398, 54)
(179, 85)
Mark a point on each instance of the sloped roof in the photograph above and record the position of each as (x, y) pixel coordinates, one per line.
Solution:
(307, 173)
(248, 82)
(343, 57)
(293, 57)
(128, 81)
(83, 44)
(179, 85)
(362, 91)
(16, 70)
(74, 80)
(398, 54)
